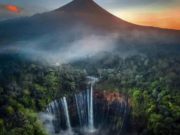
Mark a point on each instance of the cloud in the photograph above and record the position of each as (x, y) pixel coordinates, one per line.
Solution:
(10, 8)
(64, 52)
(13, 8)
(10, 11)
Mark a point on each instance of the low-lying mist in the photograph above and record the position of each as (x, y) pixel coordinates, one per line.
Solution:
(76, 44)
(63, 52)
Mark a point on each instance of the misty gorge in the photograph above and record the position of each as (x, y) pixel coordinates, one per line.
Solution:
(80, 70)
(89, 113)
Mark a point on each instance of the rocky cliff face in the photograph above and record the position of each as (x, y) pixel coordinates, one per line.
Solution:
(111, 113)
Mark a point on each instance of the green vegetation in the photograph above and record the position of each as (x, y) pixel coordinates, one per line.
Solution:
(27, 88)
(151, 82)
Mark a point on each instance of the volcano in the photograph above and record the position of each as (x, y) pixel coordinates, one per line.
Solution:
(89, 13)
(77, 19)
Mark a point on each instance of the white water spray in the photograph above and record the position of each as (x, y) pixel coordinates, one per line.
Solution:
(66, 112)
(91, 127)
(90, 110)
(47, 119)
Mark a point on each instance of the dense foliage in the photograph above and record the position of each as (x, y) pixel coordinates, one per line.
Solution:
(26, 88)
(151, 82)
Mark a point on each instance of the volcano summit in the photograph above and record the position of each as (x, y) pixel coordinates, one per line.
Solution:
(79, 20)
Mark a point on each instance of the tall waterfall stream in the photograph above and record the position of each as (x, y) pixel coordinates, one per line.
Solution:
(87, 113)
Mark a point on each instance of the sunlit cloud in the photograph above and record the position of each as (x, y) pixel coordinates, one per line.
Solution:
(8, 11)
(10, 8)
(13, 8)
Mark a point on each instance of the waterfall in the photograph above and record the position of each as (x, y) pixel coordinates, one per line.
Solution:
(66, 112)
(89, 114)
(90, 109)
(85, 108)
(81, 108)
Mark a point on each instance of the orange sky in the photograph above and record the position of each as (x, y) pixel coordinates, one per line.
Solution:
(166, 18)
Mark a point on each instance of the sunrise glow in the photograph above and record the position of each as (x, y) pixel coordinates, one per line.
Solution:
(169, 19)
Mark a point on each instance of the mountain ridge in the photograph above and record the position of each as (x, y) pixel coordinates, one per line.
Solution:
(82, 17)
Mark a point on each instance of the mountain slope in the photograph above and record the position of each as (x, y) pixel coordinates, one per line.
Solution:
(89, 12)
(77, 19)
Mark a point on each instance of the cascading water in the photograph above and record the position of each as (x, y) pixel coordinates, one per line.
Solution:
(81, 108)
(66, 112)
(87, 113)
(90, 109)
(84, 104)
